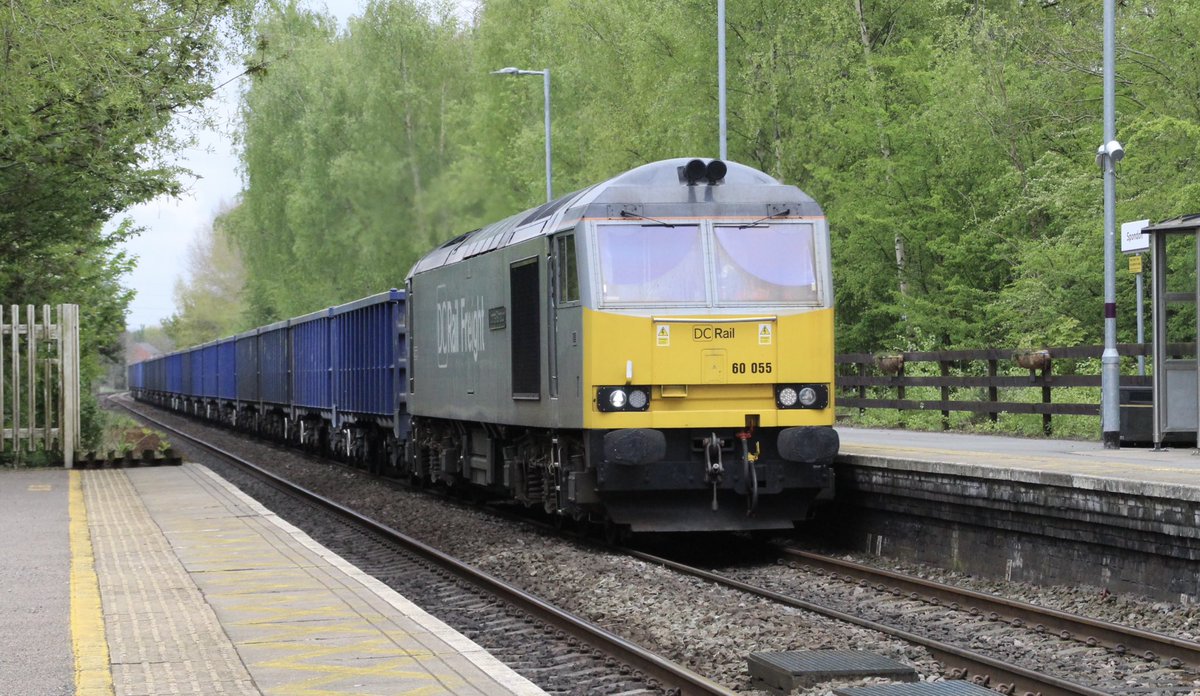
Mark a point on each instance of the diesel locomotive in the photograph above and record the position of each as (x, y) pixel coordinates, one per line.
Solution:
(654, 352)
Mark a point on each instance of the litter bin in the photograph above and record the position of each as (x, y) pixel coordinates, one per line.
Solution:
(1137, 415)
(1137, 419)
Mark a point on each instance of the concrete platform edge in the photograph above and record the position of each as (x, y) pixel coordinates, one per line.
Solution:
(1090, 482)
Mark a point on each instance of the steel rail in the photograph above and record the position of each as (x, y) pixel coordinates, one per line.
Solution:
(984, 670)
(669, 674)
(1093, 632)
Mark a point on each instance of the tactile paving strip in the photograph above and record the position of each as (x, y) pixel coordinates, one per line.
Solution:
(163, 637)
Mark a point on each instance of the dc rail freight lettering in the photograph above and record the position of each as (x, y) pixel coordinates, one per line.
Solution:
(654, 353)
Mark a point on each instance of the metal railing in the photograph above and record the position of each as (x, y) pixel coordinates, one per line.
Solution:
(982, 370)
(39, 382)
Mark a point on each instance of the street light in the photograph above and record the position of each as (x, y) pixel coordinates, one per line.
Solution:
(721, 78)
(1108, 155)
(546, 88)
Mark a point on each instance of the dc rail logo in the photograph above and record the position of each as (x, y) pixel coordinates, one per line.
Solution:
(713, 333)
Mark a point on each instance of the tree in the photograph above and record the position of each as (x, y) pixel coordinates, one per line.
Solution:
(86, 92)
(950, 142)
(211, 300)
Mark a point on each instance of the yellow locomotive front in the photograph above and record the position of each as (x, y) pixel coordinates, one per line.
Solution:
(708, 359)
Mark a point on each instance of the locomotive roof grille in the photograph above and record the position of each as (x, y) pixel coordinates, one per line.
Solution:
(547, 209)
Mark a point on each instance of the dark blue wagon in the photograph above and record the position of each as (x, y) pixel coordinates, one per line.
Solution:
(311, 367)
(173, 364)
(369, 367)
(208, 359)
(274, 364)
(246, 371)
(226, 369)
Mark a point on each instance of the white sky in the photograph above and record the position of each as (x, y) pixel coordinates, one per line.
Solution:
(172, 223)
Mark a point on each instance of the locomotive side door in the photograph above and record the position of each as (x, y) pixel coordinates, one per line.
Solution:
(525, 323)
(564, 306)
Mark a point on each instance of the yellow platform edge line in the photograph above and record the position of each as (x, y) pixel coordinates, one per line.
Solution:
(93, 672)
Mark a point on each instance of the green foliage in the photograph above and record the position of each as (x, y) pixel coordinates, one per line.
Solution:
(211, 300)
(87, 90)
(120, 434)
(951, 143)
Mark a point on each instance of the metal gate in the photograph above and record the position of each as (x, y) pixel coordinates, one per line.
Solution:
(39, 382)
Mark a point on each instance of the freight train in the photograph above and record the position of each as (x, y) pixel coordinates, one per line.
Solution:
(653, 353)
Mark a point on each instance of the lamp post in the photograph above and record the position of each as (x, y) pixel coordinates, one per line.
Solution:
(546, 88)
(1108, 155)
(721, 77)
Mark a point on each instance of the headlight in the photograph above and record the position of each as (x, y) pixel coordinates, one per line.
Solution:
(802, 395)
(626, 398)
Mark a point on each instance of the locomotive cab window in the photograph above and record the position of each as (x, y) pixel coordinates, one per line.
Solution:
(765, 264)
(566, 270)
(651, 264)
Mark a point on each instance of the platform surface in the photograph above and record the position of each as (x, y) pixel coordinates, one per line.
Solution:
(1170, 472)
(35, 597)
(169, 580)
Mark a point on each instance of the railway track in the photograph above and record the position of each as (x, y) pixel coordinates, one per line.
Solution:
(998, 674)
(1014, 617)
(659, 673)
(1172, 652)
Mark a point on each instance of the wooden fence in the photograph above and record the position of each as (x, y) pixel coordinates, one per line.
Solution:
(39, 382)
(858, 372)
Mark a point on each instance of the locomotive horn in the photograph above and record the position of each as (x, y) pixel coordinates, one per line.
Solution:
(694, 171)
(715, 171)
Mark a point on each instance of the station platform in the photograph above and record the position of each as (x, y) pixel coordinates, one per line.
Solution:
(169, 580)
(1044, 511)
(1172, 472)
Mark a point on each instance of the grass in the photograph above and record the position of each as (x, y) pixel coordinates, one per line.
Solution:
(122, 434)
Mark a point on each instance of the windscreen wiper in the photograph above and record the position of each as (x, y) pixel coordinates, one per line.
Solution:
(762, 220)
(627, 214)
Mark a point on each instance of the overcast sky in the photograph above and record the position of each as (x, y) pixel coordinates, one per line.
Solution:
(172, 223)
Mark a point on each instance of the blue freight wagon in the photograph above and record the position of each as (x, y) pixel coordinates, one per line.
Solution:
(135, 379)
(368, 356)
(208, 358)
(173, 364)
(246, 355)
(197, 361)
(185, 359)
(156, 377)
(274, 364)
(311, 378)
(336, 379)
(226, 370)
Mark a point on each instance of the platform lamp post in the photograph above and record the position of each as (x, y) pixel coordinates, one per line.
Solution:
(546, 89)
(721, 123)
(1107, 155)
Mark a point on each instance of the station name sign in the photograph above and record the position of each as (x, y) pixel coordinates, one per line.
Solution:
(1133, 240)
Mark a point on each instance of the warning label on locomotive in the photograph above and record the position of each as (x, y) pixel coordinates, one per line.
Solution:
(662, 335)
(764, 334)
